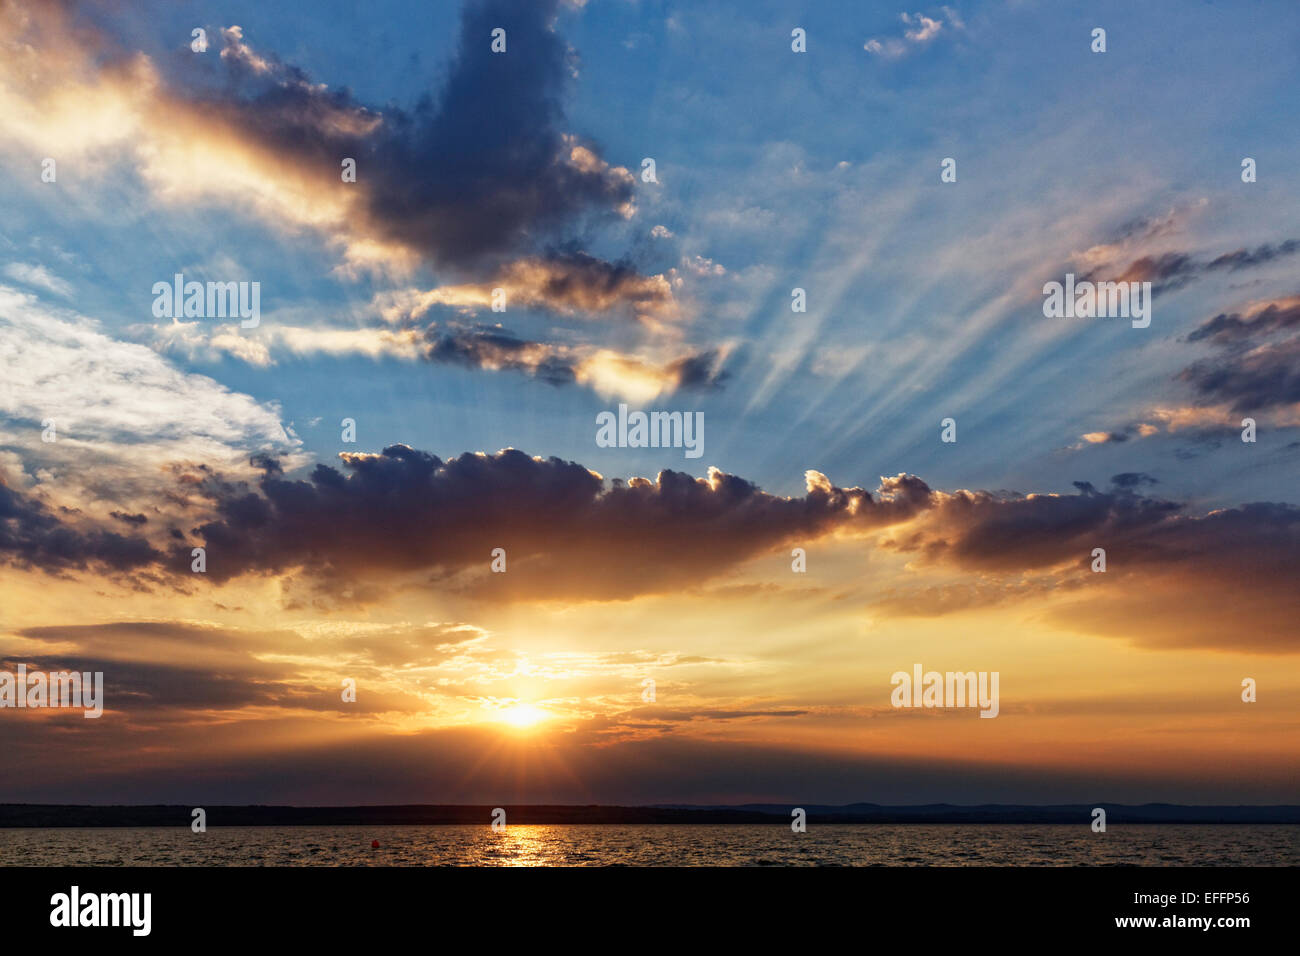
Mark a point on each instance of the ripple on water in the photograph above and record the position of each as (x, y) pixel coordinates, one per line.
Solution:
(661, 845)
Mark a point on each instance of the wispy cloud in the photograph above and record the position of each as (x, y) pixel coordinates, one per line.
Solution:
(39, 277)
(918, 30)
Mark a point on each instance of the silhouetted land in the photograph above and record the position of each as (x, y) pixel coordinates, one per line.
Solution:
(59, 815)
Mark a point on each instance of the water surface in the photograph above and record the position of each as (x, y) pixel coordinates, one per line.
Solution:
(661, 845)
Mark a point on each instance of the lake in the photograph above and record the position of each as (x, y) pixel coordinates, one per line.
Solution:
(658, 845)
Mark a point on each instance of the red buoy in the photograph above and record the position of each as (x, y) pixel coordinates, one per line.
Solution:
(374, 844)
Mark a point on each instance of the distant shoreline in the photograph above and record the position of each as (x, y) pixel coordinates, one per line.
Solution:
(14, 815)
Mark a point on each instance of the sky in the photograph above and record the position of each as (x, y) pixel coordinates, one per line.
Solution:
(822, 232)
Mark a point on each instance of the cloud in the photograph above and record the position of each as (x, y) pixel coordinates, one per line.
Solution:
(1220, 580)
(471, 180)
(607, 372)
(1252, 372)
(407, 519)
(939, 600)
(923, 28)
(138, 687)
(1265, 377)
(1101, 438)
(120, 413)
(464, 189)
(1249, 258)
(447, 766)
(1122, 434)
(918, 31)
(1257, 367)
(981, 530)
(31, 536)
(406, 511)
(572, 283)
(196, 668)
(702, 266)
(205, 341)
(1167, 271)
(1258, 320)
(497, 349)
(1133, 479)
(168, 673)
(39, 277)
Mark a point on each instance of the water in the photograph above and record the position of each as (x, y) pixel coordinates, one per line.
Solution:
(644, 845)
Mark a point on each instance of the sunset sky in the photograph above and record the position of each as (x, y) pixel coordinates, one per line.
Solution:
(475, 430)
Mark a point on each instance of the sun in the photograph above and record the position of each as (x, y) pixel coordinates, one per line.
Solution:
(523, 715)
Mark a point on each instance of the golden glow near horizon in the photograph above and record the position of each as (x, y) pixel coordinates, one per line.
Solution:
(291, 554)
(523, 715)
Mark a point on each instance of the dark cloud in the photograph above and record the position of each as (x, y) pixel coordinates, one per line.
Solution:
(469, 178)
(486, 167)
(101, 640)
(1258, 362)
(405, 518)
(172, 665)
(30, 536)
(1133, 479)
(1263, 378)
(575, 282)
(1253, 368)
(1002, 532)
(1146, 227)
(1173, 270)
(497, 349)
(137, 686)
(702, 371)
(981, 530)
(489, 348)
(566, 531)
(1223, 580)
(1261, 255)
(1169, 270)
(1229, 328)
(448, 766)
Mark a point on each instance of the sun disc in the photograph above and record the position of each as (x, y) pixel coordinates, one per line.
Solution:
(523, 715)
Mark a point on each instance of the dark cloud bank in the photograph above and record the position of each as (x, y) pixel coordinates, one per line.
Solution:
(405, 515)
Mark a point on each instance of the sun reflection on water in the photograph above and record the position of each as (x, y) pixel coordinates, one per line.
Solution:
(527, 845)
